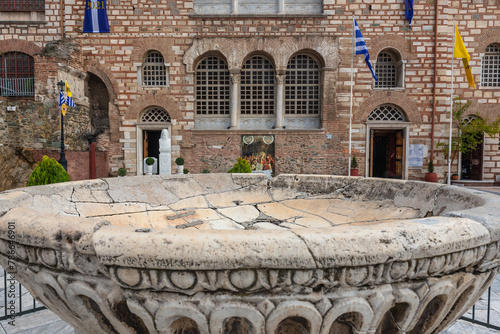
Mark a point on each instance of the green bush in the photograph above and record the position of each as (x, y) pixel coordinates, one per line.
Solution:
(122, 171)
(354, 163)
(430, 167)
(205, 171)
(241, 166)
(150, 161)
(186, 171)
(179, 161)
(46, 172)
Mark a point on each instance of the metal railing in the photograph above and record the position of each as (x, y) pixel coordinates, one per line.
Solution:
(22, 5)
(17, 86)
(16, 299)
(483, 315)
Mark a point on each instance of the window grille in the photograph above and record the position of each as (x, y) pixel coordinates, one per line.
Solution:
(212, 87)
(385, 68)
(468, 119)
(302, 86)
(490, 67)
(155, 115)
(387, 113)
(22, 5)
(17, 74)
(257, 86)
(154, 70)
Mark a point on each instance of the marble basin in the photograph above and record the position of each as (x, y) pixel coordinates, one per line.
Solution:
(242, 254)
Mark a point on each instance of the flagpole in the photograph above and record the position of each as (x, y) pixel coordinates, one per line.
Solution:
(350, 109)
(451, 103)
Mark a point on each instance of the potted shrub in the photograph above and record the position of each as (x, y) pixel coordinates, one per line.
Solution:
(354, 167)
(430, 176)
(149, 165)
(180, 165)
(122, 172)
(454, 176)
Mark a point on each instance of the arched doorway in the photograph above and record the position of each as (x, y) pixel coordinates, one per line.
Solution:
(151, 122)
(387, 141)
(471, 162)
(99, 109)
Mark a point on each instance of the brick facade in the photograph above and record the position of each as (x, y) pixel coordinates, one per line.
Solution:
(183, 39)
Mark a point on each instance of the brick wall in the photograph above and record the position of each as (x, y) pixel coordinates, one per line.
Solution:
(169, 27)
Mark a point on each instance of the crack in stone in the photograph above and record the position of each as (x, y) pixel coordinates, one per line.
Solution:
(316, 262)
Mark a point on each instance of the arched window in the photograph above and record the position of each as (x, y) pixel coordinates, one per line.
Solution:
(154, 71)
(257, 86)
(17, 74)
(155, 115)
(212, 87)
(387, 112)
(302, 86)
(389, 69)
(490, 66)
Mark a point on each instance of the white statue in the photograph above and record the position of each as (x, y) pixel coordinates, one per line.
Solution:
(165, 160)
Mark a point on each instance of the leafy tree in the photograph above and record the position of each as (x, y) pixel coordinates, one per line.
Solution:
(46, 172)
(468, 134)
(241, 166)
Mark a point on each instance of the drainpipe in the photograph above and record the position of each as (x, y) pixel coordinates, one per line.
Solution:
(434, 89)
(61, 5)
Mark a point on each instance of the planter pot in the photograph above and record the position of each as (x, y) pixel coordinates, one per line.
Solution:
(455, 177)
(431, 177)
(149, 169)
(354, 172)
(180, 169)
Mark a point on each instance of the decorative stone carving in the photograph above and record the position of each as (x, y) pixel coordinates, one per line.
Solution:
(108, 256)
(280, 49)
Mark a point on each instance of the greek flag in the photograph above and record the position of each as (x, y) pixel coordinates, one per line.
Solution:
(62, 100)
(361, 49)
(71, 103)
(409, 10)
(96, 19)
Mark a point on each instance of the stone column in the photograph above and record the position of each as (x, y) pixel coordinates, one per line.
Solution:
(165, 160)
(280, 99)
(235, 98)
(281, 6)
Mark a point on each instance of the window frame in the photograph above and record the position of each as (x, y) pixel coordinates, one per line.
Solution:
(13, 77)
(495, 68)
(251, 92)
(146, 79)
(221, 81)
(399, 69)
(315, 103)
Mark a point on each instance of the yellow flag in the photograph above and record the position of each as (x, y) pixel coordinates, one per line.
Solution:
(64, 108)
(461, 52)
(68, 92)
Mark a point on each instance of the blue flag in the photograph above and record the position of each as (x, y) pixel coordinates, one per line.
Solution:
(71, 103)
(96, 19)
(362, 49)
(62, 100)
(409, 10)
